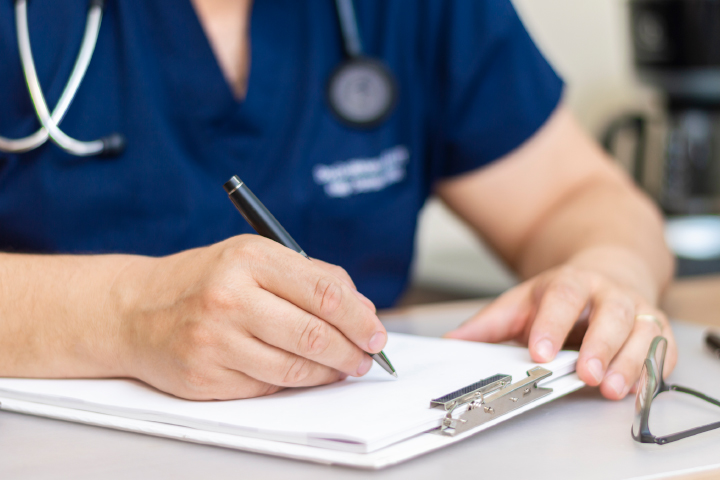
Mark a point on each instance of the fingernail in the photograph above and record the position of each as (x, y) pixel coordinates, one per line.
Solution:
(377, 342)
(617, 383)
(364, 366)
(544, 349)
(595, 368)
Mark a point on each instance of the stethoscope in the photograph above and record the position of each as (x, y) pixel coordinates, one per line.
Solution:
(361, 91)
(112, 144)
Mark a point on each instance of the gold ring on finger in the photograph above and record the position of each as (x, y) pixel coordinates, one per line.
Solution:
(648, 317)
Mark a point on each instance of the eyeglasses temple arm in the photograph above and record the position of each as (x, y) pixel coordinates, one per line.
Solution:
(687, 433)
(693, 431)
(694, 393)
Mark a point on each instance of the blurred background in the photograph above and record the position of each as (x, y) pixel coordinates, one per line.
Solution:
(643, 76)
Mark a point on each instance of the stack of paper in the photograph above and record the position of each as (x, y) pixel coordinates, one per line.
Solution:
(358, 414)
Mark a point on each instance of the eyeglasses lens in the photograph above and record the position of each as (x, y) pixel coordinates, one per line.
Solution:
(659, 359)
(642, 398)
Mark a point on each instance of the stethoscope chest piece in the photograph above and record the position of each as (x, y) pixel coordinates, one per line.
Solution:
(362, 92)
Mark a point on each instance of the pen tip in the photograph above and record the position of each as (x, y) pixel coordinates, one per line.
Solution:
(394, 374)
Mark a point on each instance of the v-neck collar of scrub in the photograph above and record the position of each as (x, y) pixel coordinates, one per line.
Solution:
(272, 54)
(239, 91)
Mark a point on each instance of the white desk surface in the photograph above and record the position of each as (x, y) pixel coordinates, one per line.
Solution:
(579, 436)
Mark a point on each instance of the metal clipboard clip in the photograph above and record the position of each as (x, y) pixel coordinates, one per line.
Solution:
(489, 399)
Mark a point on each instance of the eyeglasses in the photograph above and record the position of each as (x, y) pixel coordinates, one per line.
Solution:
(650, 386)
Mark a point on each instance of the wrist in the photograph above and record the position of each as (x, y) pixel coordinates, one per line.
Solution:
(123, 300)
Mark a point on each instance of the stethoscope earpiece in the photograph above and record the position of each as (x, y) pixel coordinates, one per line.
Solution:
(113, 145)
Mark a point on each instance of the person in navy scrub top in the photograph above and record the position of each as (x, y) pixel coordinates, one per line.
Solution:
(139, 266)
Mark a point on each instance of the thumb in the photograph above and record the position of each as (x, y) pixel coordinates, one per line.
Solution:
(504, 319)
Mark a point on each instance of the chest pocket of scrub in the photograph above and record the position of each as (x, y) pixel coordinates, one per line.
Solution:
(359, 176)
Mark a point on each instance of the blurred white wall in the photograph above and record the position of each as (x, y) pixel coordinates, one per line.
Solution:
(588, 43)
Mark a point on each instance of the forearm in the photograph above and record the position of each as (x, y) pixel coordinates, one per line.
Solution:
(57, 316)
(560, 199)
(601, 247)
(562, 212)
(605, 225)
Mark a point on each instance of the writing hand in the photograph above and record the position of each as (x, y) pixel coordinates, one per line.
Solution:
(243, 318)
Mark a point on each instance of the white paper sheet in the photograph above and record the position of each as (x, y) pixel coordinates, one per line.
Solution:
(357, 415)
(392, 455)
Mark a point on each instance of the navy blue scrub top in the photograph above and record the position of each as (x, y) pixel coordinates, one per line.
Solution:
(472, 85)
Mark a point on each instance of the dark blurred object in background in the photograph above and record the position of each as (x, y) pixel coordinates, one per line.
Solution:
(676, 156)
(677, 48)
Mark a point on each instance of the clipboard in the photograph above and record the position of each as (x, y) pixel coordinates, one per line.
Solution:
(444, 419)
(489, 399)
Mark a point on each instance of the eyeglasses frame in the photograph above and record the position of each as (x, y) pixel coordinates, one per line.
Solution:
(655, 378)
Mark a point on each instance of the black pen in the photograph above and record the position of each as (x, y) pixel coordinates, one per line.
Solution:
(265, 224)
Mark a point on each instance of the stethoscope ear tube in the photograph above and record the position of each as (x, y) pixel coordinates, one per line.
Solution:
(348, 28)
(107, 146)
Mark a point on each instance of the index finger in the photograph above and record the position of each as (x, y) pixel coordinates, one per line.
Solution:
(563, 301)
(343, 275)
(288, 275)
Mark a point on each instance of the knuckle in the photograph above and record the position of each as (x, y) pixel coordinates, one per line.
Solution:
(249, 249)
(568, 270)
(197, 383)
(257, 389)
(571, 273)
(296, 371)
(200, 335)
(314, 339)
(195, 345)
(568, 291)
(604, 350)
(217, 298)
(340, 272)
(244, 387)
(619, 310)
(327, 296)
(234, 249)
(268, 389)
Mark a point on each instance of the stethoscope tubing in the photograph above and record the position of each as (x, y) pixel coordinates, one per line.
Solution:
(49, 121)
(114, 144)
(348, 28)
